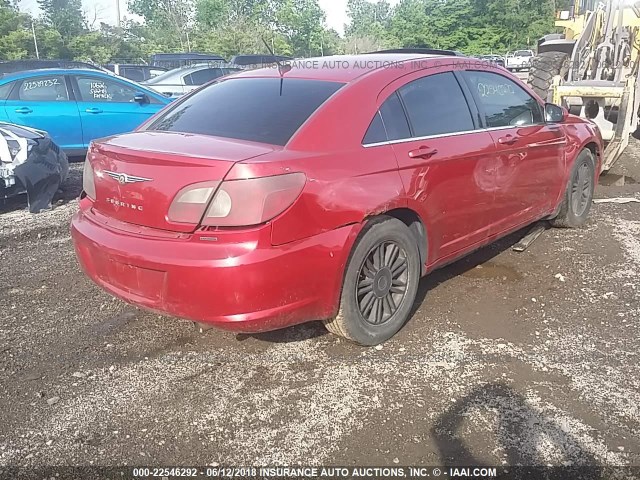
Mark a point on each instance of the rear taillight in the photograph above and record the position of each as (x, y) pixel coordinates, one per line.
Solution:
(237, 203)
(88, 182)
(191, 202)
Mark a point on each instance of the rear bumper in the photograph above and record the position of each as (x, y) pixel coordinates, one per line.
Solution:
(244, 284)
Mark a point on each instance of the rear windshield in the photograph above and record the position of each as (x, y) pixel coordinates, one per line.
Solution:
(524, 53)
(265, 110)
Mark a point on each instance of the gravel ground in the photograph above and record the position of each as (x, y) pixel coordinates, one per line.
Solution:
(509, 359)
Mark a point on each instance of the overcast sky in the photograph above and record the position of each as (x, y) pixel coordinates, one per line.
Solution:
(106, 10)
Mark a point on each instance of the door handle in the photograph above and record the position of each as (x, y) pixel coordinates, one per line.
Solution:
(93, 110)
(23, 110)
(508, 140)
(423, 152)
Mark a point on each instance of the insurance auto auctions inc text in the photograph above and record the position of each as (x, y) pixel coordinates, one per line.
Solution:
(375, 472)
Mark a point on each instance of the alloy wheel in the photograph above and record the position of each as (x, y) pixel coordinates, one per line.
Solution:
(581, 189)
(382, 283)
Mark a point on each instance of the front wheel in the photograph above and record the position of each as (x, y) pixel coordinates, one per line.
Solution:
(380, 284)
(578, 197)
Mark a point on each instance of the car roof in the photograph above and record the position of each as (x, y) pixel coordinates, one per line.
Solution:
(186, 56)
(200, 66)
(180, 71)
(54, 71)
(339, 68)
(256, 59)
(137, 65)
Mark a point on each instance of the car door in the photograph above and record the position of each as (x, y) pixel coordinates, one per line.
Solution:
(107, 106)
(444, 161)
(45, 102)
(531, 153)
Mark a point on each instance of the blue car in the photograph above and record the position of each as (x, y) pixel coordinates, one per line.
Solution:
(76, 106)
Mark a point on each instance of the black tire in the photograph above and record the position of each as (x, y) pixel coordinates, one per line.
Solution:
(544, 67)
(578, 196)
(380, 284)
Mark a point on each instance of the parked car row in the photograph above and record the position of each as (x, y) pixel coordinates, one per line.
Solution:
(512, 61)
(137, 73)
(519, 60)
(76, 102)
(179, 81)
(14, 66)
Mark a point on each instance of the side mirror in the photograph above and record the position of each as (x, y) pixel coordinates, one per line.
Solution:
(554, 113)
(141, 98)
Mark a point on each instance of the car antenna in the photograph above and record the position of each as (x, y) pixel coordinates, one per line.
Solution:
(282, 68)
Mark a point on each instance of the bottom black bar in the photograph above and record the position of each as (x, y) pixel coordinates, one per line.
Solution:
(319, 472)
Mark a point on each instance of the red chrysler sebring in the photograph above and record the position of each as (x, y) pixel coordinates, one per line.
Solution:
(326, 189)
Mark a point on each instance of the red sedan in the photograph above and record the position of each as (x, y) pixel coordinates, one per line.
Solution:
(325, 190)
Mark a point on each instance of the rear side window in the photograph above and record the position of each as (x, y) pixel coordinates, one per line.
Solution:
(390, 123)
(503, 102)
(202, 76)
(5, 90)
(44, 89)
(376, 132)
(436, 106)
(265, 110)
(135, 74)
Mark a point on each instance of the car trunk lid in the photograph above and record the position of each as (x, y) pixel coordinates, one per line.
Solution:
(138, 175)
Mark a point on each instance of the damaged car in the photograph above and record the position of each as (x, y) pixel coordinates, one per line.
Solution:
(333, 198)
(30, 162)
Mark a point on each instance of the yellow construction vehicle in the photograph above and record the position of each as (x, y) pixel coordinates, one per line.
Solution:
(592, 68)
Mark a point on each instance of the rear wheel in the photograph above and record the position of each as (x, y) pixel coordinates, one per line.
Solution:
(380, 284)
(579, 193)
(544, 67)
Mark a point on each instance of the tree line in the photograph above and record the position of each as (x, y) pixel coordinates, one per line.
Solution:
(290, 27)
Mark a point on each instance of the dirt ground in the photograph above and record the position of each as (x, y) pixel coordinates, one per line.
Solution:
(510, 358)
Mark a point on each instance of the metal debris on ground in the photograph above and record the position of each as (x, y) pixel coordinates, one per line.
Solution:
(616, 200)
(530, 237)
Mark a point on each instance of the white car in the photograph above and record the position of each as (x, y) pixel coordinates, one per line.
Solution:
(519, 60)
(179, 81)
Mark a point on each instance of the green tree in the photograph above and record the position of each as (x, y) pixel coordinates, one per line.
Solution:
(171, 18)
(410, 25)
(301, 22)
(368, 18)
(65, 16)
(212, 13)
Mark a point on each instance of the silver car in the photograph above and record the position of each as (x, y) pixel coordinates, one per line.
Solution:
(179, 81)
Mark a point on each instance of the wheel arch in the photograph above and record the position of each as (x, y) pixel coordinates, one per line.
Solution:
(561, 45)
(407, 216)
(593, 147)
(597, 155)
(416, 226)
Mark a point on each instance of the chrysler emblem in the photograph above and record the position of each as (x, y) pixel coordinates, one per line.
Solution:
(123, 178)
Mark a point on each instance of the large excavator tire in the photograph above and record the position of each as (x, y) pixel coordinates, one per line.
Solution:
(544, 67)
